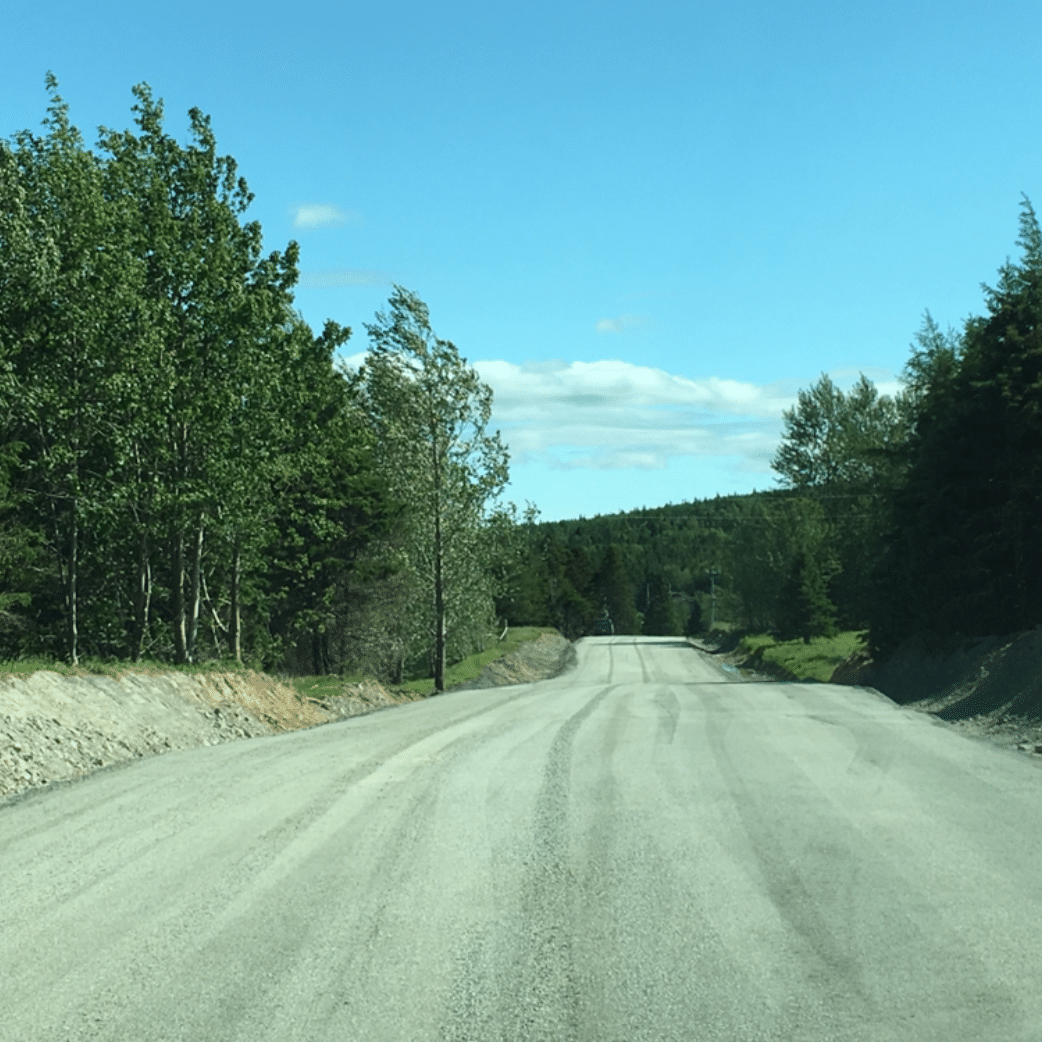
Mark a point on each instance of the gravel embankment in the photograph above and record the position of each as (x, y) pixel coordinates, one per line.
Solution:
(56, 729)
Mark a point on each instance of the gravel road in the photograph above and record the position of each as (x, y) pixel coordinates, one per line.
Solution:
(639, 850)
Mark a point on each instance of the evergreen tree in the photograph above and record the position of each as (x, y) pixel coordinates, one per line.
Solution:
(613, 586)
(662, 616)
(695, 622)
(962, 556)
(806, 609)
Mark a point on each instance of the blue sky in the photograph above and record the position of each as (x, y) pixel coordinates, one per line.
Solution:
(647, 224)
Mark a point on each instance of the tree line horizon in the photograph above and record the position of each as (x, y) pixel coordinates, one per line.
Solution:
(913, 517)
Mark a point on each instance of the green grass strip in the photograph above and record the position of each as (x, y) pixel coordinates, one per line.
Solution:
(817, 660)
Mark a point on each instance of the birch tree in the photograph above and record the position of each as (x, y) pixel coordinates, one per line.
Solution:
(430, 412)
(68, 286)
(216, 307)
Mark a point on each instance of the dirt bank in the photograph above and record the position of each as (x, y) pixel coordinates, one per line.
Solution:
(55, 729)
(990, 687)
(547, 656)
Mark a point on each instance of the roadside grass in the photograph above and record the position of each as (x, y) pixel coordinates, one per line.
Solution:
(115, 668)
(320, 687)
(331, 685)
(817, 660)
(471, 666)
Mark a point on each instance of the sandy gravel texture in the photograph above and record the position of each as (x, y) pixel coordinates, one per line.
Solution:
(635, 851)
(56, 729)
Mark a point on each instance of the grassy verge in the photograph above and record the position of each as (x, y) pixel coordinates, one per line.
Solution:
(470, 667)
(331, 686)
(91, 667)
(817, 660)
(306, 686)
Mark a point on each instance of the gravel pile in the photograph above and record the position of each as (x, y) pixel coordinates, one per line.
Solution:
(37, 750)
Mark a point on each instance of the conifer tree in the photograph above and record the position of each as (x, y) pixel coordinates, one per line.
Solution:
(962, 556)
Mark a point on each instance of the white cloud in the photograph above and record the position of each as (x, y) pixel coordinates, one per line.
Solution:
(617, 416)
(345, 277)
(620, 324)
(613, 415)
(320, 216)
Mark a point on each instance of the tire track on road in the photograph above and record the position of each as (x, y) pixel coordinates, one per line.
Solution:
(534, 993)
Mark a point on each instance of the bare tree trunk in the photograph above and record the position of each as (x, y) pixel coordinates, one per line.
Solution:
(439, 605)
(180, 636)
(196, 590)
(71, 595)
(319, 652)
(142, 598)
(235, 621)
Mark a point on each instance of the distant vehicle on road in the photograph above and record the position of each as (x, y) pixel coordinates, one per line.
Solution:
(604, 627)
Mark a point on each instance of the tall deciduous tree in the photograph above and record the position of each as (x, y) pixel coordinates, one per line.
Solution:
(63, 310)
(431, 414)
(217, 308)
(840, 440)
(850, 450)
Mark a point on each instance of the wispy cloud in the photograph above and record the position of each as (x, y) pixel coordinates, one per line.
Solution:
(321, 215)
(621, 323)
(345, 277)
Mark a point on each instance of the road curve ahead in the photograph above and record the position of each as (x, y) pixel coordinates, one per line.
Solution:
(638, 851)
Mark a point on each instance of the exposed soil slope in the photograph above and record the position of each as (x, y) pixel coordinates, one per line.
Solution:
(990, 688)
(55, 729)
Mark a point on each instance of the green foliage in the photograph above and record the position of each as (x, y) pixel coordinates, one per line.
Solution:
(468, 668)
(696, 623)
(662, 615)
(806, 609)
(961, 558)
(816, 659)
(184, 474)
(838, 441)
(613, 587)
(429, 414)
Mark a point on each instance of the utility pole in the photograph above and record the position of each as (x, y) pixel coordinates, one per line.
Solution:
(713, 573)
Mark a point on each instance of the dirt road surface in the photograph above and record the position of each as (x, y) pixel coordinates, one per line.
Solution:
(639, 850)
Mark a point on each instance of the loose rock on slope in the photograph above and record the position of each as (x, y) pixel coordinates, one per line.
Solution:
(56, 728)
